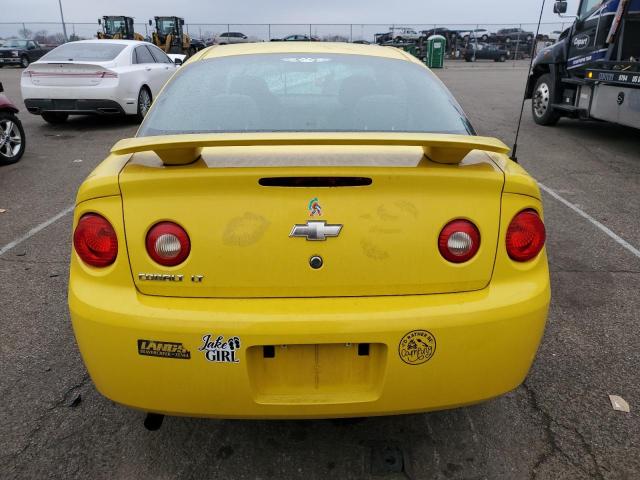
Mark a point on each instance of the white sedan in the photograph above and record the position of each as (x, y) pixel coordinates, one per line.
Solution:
(104, 77)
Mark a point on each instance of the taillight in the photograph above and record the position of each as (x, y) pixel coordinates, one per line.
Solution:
(168, 244)
(95, 240)
(525, 236)
(459, 241)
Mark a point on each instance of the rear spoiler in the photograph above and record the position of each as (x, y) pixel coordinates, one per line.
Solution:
(186, 148)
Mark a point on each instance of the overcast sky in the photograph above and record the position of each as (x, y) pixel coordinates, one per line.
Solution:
(288, 11)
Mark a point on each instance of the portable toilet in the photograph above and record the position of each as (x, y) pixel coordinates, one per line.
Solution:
(436, 48)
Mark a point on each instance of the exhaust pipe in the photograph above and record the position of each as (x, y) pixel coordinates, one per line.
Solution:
(153, 421)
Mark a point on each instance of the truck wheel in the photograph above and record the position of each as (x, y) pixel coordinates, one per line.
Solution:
(12, 139)
(543, 97)
(54, 118)
(24, 61)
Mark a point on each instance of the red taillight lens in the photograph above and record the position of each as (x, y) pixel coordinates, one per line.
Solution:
(95, 240)
(168, 244)
(525, 236)
(459, 241)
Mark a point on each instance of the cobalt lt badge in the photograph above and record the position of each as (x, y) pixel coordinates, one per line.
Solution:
(417, 347)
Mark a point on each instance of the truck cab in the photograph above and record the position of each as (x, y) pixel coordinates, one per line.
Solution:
(574, 77)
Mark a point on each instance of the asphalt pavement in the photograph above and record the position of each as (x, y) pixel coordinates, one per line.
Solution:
(559, 424)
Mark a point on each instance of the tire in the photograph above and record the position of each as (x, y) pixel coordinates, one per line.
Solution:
(398, 39)
(24, 61)
(484, 38)
(54, 118)
(542, 98)
(507, 40)
(467, 59)
(144, 103)
(502, 59)
(12, 139)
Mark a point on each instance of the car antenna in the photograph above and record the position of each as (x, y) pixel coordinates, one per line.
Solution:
(514, 150)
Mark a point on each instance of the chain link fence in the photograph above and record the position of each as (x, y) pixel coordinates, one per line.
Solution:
(51, 33)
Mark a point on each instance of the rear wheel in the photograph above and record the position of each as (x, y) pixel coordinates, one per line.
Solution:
(541, 102)
(55, 118)
(12, 139)
(144, 103)
(502, 58)
(24, 61)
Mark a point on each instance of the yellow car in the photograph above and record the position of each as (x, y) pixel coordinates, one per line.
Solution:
(307, 230)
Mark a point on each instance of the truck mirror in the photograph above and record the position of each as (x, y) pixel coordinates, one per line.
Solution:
(560, 7)
(181, 21)
(1, 88)
(99, 21)
(150, 22)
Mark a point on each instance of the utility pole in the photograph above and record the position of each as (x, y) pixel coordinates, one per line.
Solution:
(64, 27)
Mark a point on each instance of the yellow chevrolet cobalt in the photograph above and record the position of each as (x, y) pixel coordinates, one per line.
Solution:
(307, 231)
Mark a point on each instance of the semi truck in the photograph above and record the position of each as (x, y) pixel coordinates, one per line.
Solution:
(593, 71)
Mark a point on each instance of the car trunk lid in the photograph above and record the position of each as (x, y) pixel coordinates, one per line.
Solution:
(379, 210)
(54, 74)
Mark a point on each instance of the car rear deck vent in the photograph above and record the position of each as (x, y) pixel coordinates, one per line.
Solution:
(315, 182)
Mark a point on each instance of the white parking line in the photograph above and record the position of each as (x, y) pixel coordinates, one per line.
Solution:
(35, 230)
(619, 240)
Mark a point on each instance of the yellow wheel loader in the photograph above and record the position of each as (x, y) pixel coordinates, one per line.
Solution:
(169, 35)
(117, 27)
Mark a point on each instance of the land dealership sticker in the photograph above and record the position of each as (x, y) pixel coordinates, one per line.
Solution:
(157, 348)
(417, 347)
(217, 349)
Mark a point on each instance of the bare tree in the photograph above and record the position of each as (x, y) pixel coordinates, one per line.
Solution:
(25, 33)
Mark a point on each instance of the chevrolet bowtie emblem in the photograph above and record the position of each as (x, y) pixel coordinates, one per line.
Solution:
(315, 230)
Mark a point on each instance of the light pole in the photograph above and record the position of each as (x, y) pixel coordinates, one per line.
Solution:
(64, 27)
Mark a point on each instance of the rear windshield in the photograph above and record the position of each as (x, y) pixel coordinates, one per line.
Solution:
(96, 52)
(299, 92)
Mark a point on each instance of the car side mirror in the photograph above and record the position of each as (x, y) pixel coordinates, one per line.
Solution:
(560, 7)
(1, 88)
(99, 21)
(178, 61)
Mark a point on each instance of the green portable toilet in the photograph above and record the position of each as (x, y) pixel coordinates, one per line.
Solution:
(436, 48)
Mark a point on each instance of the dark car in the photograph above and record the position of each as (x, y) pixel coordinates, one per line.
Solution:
(197, 45)
(296, 38)
(21, 52)
(445, 32)
(485, 51)
(508, 35)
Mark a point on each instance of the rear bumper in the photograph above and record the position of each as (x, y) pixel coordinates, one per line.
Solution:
(73, 106)
(484, 343)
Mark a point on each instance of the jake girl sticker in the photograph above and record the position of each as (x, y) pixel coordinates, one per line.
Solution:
(217, 349)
